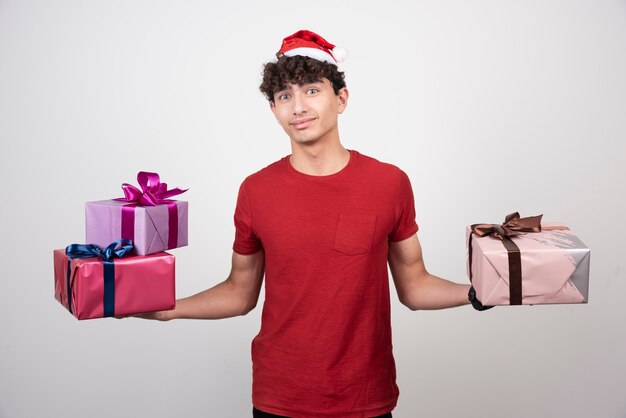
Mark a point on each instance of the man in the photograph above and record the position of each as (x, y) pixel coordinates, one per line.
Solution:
(321, 225)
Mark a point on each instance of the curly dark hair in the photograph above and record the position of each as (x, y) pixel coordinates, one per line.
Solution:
(298, 70)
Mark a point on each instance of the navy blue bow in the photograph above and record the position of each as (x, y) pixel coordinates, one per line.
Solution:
(107, 255)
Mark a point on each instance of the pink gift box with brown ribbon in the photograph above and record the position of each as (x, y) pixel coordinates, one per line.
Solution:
(521, 262)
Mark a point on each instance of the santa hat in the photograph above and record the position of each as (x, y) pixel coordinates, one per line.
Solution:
(310, 44)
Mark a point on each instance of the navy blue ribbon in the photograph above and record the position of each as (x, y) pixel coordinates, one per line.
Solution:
(107, 255)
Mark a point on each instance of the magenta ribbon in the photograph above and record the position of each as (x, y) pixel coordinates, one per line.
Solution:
(152, 193)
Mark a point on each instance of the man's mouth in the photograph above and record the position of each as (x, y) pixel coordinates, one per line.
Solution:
(301, 123)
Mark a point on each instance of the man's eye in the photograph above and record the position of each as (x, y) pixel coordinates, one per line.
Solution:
(283, 97)
(312, 91)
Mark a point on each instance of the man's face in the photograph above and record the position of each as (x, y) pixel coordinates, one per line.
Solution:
(308, 112)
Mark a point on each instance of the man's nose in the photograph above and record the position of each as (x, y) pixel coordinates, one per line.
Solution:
(299, 104)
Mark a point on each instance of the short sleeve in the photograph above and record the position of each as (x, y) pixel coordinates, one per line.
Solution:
(246, 241)
(405, 211)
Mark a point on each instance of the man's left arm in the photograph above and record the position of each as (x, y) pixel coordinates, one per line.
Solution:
(418, 289)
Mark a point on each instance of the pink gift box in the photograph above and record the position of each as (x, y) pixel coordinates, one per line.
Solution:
(141, 284)
(151, 228)
(554, 264)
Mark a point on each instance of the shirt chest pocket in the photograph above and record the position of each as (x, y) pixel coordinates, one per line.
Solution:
(354, 233)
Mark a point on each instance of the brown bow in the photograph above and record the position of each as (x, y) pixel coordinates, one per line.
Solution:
(513, 225)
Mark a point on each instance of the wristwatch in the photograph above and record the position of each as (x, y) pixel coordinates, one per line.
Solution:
(471, 296)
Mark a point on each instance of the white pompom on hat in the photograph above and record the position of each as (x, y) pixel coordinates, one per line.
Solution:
(309, 44)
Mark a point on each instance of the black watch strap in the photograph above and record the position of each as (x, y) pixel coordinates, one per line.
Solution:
(471, 296)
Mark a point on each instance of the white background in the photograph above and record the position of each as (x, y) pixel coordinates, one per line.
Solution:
(490, 107)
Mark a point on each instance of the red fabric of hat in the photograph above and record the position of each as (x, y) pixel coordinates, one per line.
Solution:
(308, 44)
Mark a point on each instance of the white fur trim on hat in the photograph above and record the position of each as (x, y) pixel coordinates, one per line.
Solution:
(314, 53)
(340, 54)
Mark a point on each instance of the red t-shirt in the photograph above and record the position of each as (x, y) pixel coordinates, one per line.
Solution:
(324, 348)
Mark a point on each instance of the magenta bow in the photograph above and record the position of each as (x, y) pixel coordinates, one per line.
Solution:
(152, 192)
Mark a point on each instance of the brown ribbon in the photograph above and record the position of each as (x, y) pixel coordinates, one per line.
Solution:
(513, 225)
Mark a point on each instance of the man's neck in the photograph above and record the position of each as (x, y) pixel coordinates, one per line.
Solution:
(318, 159)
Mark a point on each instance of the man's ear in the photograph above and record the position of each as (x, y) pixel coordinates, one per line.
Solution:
(342, 99)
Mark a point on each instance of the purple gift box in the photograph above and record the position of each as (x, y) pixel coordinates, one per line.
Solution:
(148, 217)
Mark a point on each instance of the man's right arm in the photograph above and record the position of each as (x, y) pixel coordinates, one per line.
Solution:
(237, 295)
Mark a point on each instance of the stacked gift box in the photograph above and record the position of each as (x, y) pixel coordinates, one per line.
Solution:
(124, 269)
(522, 262)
